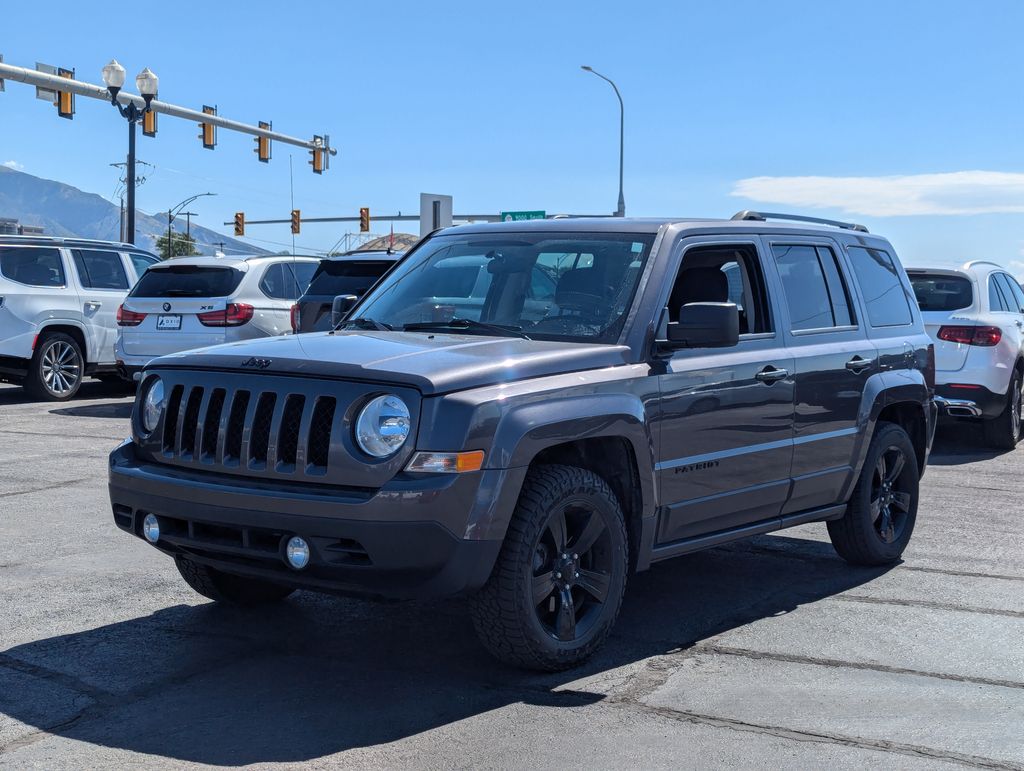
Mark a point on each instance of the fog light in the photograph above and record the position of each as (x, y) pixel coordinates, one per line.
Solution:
(151, 528)
(297, 553)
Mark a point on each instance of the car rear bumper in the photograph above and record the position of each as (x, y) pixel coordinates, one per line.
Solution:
(968, 401)
(357, 547)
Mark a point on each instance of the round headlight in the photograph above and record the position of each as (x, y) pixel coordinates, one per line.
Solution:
(152, 406)
(382, 426)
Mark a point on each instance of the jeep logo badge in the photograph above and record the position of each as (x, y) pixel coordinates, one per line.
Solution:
(257, 363)
(167, 306)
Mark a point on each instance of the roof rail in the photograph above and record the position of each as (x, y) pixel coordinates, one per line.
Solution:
(759, 216)
(972, 263)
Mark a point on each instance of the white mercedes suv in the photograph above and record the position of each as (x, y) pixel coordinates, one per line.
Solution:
(58, 301)
(195, 302)
(975, 314)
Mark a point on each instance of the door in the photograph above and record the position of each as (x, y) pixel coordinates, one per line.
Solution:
(833, 358)
(280, 286)
(726, 415)
(104, 284)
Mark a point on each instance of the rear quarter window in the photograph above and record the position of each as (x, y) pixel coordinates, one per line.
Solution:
(187, 281)
(942, 293)
(33, 266)
(885, 298)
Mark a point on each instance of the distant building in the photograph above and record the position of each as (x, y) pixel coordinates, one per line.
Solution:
(10, 227)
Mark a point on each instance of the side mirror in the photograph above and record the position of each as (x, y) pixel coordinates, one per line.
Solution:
(705, 325)
(342, 304)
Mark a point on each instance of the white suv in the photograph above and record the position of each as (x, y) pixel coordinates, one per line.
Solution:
(58, 301)
(976, 316)
(195, 302)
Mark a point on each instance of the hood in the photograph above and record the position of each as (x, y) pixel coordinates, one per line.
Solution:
(432, 362)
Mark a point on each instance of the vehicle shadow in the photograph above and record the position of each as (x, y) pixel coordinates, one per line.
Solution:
(959, 443)
(90, 389)
(120, 410)
(318, 675)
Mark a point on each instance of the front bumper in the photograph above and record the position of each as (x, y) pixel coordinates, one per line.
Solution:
(359, 541)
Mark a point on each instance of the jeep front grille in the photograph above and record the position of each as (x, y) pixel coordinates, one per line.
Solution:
(210, 427)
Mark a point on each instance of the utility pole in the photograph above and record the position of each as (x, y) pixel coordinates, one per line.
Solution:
(188, 215)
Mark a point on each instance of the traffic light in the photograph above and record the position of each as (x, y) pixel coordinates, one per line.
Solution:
(208, 131)
(65, 99)
(317, 155)
(364, 220)
(296, 220)
(263, 144)
(239, 223)
(149, 123)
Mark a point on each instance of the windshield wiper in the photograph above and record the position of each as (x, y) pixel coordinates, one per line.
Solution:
(364, 322)
(459, 323)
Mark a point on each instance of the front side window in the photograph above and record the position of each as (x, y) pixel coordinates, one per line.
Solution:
(885, 298)
(286, 281)
(815, 291)
(99, 269)
(470, 281)
(32, 266)
(723, 273)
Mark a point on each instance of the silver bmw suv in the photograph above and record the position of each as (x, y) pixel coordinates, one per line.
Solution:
(58, 305)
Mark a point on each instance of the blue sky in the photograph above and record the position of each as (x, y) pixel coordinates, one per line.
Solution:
(904, 116)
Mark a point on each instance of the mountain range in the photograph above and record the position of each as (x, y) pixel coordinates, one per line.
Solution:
(63, 210)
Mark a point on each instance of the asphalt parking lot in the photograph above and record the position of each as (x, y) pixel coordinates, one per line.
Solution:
(768, 653)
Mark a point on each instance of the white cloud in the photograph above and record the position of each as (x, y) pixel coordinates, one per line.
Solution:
(12, 165)
(957, 192)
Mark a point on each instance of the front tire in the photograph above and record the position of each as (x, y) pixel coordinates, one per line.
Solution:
(224, 587)
(557, 586)
(1004, 432)
(880, 517)
(57, 368)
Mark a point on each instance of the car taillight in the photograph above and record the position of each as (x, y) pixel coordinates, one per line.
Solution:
(296, 318)
(234, 315)
(127, 318)
(986, 336)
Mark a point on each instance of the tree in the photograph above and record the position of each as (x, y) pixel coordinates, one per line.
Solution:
(182, 246)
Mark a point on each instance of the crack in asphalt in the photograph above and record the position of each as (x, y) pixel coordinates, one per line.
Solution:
(928, 604)
(55, 486)
(726, 650)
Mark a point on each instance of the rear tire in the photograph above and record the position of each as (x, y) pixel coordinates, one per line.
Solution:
(1004, 432)
(224, 587)
(557, 585)
(57, 368)
(880, 517)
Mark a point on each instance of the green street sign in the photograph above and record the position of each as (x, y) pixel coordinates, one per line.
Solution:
(519, 216)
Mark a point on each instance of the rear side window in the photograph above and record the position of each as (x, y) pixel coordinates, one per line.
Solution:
(32, 266)
(99, 269)
(815, 291)
(334, 277)
(996, 302)
(941, 293)
(142, 261)
(187, 281)
(884, 296)
(285, 280)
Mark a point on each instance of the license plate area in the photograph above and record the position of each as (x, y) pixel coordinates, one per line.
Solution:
(172, 321)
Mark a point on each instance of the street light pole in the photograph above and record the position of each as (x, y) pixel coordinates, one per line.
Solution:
(621, 210)
(173, 213)
(147, 82)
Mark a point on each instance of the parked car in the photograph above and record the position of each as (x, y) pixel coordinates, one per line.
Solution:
(686, 384)
(352, 273)
(194, 302)
(58, 300)
(975, 315)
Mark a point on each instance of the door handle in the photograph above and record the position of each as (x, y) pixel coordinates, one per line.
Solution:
(858, 364)
(1018, 322)
(771, 374)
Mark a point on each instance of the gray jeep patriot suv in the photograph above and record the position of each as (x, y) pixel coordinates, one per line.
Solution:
(525, 413)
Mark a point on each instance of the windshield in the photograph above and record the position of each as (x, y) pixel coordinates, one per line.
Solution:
(575, 287)
(334, 277)
(941, 293)
(187, 281)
